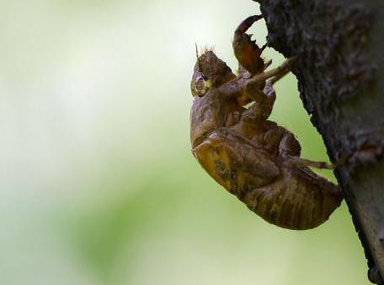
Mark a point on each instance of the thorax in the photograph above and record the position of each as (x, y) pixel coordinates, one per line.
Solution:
(209, 113)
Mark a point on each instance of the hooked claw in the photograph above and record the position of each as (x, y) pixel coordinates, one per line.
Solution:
(246, 51)
(248, 22)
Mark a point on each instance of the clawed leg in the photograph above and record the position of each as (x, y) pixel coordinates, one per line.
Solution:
(290, 150)
(246, 51)
(302, 162)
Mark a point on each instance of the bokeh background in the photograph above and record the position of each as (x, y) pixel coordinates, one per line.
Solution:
(98, 184)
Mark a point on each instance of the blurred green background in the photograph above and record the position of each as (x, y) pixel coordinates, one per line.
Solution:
(98, 184)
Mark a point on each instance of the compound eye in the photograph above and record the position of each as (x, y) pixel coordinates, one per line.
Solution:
(201, 85)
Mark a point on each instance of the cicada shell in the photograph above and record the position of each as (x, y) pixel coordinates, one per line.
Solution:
(253, 158)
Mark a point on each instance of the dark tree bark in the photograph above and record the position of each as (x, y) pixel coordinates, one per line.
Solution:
(340, 49)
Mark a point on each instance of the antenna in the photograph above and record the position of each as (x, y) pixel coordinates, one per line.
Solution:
(197, 51)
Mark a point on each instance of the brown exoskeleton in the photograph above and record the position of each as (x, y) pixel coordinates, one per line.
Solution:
(252, 157)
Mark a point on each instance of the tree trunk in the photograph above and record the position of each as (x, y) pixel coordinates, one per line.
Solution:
(340, 49)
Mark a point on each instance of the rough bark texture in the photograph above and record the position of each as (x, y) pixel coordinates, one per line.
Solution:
(340, 49)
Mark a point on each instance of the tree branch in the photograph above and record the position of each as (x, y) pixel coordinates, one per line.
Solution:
(340, 49)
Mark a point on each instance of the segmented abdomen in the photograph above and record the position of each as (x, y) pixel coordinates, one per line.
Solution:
(298, 199)
(282, 194)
